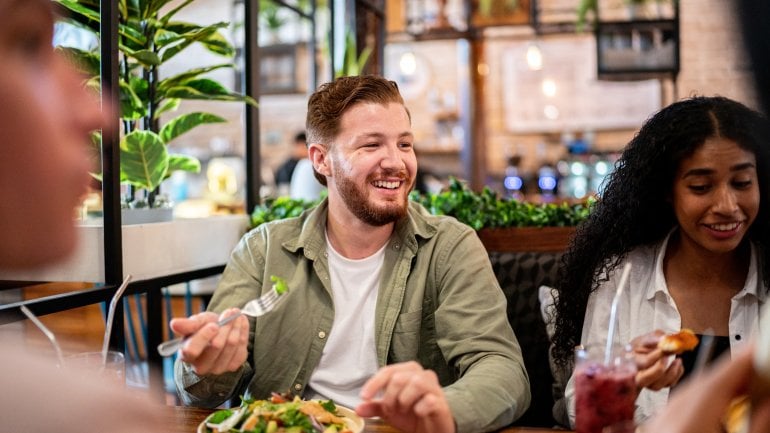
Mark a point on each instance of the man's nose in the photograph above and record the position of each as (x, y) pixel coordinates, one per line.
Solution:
(393, 157)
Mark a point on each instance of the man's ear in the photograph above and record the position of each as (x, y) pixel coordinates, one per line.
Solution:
(319, 155)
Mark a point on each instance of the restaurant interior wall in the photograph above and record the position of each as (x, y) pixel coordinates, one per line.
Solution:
(712, 62)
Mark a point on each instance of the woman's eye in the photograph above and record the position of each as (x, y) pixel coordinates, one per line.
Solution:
(405, 145)
(742, 184)
(698, 188)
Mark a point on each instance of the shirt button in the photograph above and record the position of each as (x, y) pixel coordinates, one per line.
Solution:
(297, 386)
(397, 246)
(322, 335)
(738, 337)
(326, 254)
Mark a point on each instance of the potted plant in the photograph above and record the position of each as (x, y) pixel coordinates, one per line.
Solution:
(149, 37)
(353, 63)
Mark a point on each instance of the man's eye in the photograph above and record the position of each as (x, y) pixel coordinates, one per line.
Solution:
(405, 145)
(698, 188)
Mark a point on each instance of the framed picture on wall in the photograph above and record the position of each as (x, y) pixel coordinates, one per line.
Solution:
(279, 69)
(637, 48)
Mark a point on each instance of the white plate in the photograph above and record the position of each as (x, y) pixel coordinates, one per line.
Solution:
(354, 422)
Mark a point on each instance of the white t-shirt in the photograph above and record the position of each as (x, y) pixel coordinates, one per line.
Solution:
(349, 357)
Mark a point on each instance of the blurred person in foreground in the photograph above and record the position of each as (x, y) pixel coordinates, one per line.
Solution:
(688, 206)
(45, 120)
(390, 310)
(700, 405)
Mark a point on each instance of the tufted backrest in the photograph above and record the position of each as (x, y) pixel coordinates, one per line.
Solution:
(520, 274)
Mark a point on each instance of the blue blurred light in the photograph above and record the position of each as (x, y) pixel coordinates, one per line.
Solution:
(546, 183)
(513, 183)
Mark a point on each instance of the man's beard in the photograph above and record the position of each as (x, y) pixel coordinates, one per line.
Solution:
(357, 201)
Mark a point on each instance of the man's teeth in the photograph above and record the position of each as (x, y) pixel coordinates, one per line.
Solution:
(387, 184)
(724, 227)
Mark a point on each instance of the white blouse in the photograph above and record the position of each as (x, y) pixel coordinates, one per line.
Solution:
(647, 305)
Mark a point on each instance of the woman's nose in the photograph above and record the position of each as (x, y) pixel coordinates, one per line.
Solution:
(725, 201)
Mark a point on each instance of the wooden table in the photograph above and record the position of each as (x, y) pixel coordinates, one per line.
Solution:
(186, 420)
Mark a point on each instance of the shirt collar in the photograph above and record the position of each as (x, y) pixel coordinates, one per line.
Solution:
(659, 285)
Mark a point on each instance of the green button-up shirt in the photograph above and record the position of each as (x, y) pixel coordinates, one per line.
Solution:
(438, 304)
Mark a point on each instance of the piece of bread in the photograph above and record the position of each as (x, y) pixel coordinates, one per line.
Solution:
(735, 419)
(679, 342)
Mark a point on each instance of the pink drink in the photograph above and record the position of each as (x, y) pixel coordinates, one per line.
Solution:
(605, 395)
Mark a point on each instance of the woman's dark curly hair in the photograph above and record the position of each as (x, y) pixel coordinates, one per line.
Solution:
(633, 209)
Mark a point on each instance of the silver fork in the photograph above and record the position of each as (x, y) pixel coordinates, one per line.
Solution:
(254, 308)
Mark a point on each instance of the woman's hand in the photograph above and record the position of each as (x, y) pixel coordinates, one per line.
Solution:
(655, 369)
(212, 349)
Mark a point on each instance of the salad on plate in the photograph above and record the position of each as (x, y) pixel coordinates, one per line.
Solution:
(283, 415)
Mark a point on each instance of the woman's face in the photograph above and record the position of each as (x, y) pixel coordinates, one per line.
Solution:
(716, 195)
(45, 120)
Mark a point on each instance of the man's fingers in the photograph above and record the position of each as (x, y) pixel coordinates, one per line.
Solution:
(198, 342)
(380, 380)
(189, 325)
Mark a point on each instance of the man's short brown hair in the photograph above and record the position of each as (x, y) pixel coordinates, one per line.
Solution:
(327, 105)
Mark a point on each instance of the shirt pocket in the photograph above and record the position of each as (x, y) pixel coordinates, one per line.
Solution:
(406, 337)
(408, 322)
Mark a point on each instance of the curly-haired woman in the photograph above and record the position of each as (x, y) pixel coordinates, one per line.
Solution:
(687, 205)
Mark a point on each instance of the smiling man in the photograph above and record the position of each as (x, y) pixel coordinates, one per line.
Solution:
(390, 310)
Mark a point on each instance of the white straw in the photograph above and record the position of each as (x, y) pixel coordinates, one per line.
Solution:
(111, 317)
(614, 312)
(52, 338)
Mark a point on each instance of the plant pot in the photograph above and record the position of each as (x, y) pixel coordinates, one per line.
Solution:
(146, 215)
(522, 239)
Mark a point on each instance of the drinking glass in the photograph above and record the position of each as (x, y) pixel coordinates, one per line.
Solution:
(114, 369)
(622, 427)
(605, 392)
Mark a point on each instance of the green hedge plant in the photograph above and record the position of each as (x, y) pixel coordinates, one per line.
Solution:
(478, 210)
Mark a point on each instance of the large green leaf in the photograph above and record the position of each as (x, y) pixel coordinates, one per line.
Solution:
(185, 122)
(146, 57)
(131, 105)
(190, 92)
(170, 14)
(187, 163)
(190, 74)
(132, 34)
(168, 104)
(190, 34)
(154, 6)
(86, 62)
(91, 14)
(144, 159)
(165, 37)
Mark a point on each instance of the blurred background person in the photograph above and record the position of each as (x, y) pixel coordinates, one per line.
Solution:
(285, 171)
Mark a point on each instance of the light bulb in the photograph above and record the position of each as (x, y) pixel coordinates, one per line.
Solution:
(408, 63)
(534, 57)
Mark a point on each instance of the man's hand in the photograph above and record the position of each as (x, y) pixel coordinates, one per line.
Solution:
(409, 398)
(655, 369)
(211, 349)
